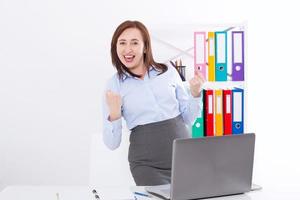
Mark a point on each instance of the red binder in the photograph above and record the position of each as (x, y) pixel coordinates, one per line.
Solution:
(227, 111)
(209, 112)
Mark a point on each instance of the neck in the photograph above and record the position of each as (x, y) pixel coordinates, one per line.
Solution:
(140, 70)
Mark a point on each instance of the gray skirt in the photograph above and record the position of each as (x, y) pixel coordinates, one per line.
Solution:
(150, 150)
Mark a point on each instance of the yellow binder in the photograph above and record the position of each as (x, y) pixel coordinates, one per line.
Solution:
(219, 112)
(211, 56)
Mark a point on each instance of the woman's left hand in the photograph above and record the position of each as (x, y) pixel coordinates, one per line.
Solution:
(196, 83)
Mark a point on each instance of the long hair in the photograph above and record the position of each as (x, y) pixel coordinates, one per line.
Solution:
(148, 57)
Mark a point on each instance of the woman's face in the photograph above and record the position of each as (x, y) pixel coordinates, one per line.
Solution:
(130, 49)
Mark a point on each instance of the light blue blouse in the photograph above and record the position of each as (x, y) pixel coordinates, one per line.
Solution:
(155, 98)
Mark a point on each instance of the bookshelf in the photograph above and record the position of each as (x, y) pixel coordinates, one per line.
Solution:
(177, 42)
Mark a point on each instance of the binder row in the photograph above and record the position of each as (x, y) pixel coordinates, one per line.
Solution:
(222, 113)
(211, 55)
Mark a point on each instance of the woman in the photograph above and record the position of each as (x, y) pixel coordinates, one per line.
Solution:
(151, 97)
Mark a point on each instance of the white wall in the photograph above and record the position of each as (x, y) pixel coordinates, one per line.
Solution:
(54, 60)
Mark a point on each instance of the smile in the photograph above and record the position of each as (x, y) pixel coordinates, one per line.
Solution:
(129, 58)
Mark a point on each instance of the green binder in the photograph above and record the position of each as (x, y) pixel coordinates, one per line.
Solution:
(198, 128)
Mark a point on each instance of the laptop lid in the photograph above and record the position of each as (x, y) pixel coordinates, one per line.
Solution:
(212, 166)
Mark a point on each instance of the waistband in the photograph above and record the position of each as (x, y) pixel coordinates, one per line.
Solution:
(158, 124)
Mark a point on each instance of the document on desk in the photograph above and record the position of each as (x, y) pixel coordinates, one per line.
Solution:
(140, 193)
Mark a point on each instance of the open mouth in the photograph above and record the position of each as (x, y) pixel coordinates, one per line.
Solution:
(129, 58)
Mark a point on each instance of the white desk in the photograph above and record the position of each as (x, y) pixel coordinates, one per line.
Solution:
(124, 193)
(65, 193)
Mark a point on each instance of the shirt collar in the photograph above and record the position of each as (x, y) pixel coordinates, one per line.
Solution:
(127, 75)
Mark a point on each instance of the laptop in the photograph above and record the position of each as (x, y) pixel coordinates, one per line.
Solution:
(209, 167)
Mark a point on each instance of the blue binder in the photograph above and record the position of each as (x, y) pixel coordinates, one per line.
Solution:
(221, 55)
(237, 111)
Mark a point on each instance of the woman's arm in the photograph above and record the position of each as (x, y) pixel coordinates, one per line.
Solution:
(189, 102)
(112, 122)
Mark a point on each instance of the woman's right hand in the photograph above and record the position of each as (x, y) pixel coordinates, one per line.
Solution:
(114, 103)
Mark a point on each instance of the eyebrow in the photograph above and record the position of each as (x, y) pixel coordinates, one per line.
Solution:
(134, 39)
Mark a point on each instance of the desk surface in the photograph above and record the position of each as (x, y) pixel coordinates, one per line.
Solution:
(64, 193)
(123, 193)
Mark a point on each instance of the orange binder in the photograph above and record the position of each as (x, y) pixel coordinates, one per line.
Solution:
(219, 112)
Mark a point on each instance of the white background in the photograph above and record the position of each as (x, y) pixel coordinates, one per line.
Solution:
(54, 61)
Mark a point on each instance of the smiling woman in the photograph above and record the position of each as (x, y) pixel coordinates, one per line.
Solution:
(130, 50)
(131, 40)
(152, 99)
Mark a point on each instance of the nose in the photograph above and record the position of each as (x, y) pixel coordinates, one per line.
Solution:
(128, 49)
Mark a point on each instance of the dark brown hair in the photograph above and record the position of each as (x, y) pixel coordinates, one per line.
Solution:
(148, 57)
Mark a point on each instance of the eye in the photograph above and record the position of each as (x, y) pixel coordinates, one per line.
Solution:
(122, 43)
(134, 43)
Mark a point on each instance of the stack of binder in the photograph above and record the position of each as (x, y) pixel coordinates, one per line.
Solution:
(211, 55)
(219, 56)
(223, 113)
